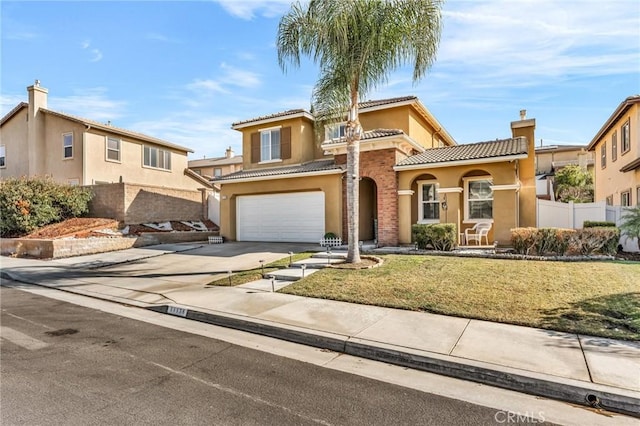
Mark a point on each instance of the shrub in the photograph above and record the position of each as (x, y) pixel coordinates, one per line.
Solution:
(598, 224)
(329, 235)
(631, 222)
(557, 241)
(27, 204)
(596, 240)
(438, 236)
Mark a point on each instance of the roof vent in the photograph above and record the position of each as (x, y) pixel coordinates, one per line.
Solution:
(523, 114)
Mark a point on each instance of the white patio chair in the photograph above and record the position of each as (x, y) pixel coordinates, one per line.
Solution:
(479, 230)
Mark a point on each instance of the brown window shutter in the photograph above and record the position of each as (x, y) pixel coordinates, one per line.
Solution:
(285, 143)
(255, 147)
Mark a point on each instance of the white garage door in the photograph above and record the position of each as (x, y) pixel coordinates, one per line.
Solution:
(294, 217)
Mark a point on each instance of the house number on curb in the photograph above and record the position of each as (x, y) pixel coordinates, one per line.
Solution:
(174, 310)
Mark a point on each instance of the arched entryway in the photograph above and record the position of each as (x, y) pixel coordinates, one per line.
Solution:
(368, 210)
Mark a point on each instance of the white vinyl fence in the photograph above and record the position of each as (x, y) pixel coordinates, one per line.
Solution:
(213, 202)
(552, 214)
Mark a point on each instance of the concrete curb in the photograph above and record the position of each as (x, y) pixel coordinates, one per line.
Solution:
(573, 391)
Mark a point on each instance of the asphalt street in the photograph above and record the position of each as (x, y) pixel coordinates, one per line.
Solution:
(68, 364)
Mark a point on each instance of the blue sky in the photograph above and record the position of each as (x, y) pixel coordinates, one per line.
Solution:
(184, 71)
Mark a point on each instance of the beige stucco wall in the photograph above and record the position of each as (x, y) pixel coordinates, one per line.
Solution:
(303, 146)
(610, 181)
(505, 209)
(329, 184)
(130, 168)
(61, 169)
(526, 173)
(13, 135)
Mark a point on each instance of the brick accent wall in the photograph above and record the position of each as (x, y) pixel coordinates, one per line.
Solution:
(378, 166)
(131, 203)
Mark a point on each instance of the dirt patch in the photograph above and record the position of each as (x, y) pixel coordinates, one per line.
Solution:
(366, 262)
(79, 227)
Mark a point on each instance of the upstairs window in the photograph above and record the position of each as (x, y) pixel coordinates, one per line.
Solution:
(3, 156)
(428, 203)
(113, 149)
(625, 137)
(614, 146)
(67, 145)
(335, 131)
(217, 172)
(479, 199)
(603, 155)
(272, 144)
(157, 158)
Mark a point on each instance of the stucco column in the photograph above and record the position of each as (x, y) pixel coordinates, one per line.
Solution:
(404, 216)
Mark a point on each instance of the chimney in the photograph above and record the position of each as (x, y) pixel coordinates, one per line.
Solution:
(525, 128)
(229, 153)
(35, 129)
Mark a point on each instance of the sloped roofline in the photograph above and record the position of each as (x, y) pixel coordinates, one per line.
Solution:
(622, 108)
(97, 125)
(365, 106)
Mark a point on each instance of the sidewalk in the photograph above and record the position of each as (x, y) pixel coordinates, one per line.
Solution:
(557, 365)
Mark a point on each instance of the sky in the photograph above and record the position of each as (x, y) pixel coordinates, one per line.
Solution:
(184, 71)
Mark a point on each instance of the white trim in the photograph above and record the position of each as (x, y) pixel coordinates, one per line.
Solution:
(453, 189)
(277, 160)
(272, 119)
(461, 162)
(466, 181)
(510, 187)
(159, 152)
(391, 141)
(420, 184)
(406, 192)
(63, 146)
(275, 177)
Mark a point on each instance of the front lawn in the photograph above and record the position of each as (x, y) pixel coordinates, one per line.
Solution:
(596, 298)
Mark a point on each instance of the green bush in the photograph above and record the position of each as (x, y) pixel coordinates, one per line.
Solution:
(596, 240)
(438, 236)
(28, 204)
(598, 224)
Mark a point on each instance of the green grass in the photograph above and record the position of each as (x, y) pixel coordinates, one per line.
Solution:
(243, 277)
(596, 298)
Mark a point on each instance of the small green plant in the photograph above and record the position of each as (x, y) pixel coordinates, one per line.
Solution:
(630, 226)
(330, 235)
(439, 236)
(27, 204)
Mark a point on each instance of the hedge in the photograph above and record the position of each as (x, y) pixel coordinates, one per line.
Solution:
(27, 204)
(438, 236)
(557, 241)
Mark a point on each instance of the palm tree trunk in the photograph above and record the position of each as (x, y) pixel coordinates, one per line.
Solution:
(354, 131)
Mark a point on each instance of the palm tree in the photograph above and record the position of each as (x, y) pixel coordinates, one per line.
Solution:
(357, 43)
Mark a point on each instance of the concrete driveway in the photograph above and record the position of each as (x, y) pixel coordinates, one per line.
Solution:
(186, 263)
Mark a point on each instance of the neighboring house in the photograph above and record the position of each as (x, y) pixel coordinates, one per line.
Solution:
(136, 177)
(216, 167)
(617, 153)
(37, 141)
(292, 187)
(551, 158)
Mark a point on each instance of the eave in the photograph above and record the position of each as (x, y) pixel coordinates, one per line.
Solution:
(474, 161)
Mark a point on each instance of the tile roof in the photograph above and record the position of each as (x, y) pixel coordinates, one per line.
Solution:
(380, 102)
(314, 166)
(364, 104)
(270, 116)
(218, 161)
(472, 151)
(369, 134)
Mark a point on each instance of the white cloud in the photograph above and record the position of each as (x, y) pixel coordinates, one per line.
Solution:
(96, 54)
(247, 9)
(91, 103)
(160, 37)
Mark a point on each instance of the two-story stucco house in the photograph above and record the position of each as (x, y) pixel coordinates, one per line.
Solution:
(215, 167)
(617, 156)
(37, 141)
(292, 186)
(135, 178)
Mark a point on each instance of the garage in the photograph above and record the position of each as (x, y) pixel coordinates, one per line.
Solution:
(290, 217)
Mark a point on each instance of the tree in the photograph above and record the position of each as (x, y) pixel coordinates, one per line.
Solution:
(357, 43)
(574, 183)
(631, 223)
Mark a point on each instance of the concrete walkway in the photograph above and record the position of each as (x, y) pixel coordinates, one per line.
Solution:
(171, 279)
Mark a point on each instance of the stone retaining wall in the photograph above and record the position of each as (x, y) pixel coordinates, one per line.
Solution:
(53, 249)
